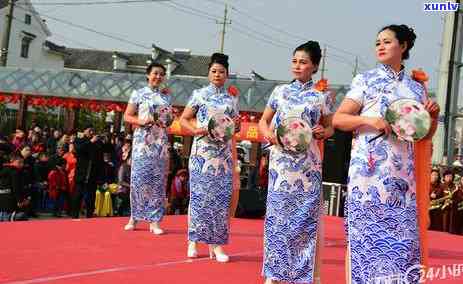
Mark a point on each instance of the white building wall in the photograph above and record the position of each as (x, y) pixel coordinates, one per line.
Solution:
(39, 57)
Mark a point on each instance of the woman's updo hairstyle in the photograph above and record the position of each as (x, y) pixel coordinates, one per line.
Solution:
(312, 48)
(403, 33)
(219, 58)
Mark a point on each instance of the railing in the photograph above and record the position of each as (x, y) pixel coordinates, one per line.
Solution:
(333, 198)
(114, 86)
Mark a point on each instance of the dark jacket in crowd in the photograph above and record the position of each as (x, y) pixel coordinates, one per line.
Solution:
(28, 173)
(11, 189)
(51, 145)
(41, 170)
(89, 167)
(109, 172)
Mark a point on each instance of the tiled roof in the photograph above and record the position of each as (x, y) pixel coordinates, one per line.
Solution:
(56, 48)
(102, 60)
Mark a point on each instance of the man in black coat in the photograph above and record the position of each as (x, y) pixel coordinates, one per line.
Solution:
(89, 167)
(14, 200)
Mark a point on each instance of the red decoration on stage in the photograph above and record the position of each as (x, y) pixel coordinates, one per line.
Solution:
(73, 103)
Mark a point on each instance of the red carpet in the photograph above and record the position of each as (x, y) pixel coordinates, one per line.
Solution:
(99, 251)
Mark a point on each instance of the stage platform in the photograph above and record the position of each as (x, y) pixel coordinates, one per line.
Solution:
(99, 251)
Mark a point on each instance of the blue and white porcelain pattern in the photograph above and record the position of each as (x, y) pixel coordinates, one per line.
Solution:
(383, 235)
(294, 189)
(150, 157)
(210, 169)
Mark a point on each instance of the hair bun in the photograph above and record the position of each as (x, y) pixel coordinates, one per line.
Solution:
(409, 30)
(313, 44)
(219, 57)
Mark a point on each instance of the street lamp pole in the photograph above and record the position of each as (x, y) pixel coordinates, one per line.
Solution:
(6, 34)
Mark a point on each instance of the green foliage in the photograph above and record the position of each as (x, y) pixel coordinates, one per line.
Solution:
(96, 119)
(7, 120)
(44, 116)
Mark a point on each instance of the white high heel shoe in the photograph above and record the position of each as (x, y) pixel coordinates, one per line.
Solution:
(217, 252)
(154, 228)
(269, 281)
(130, 225)
(192, 252)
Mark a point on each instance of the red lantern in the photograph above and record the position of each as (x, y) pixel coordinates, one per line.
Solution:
(73, 103)
(108, 106)
(42, 101)
(55, 102)
(85, 104)
(94, 106)
(14, 99)
(34, 101)
(120, 107)
(80, 103)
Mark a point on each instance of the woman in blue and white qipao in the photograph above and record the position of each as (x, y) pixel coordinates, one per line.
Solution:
(210, 163)
(150, 153)
(381, 207)
(295, 180)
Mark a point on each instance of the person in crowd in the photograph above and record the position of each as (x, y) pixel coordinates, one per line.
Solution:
(89, 167)
(71, 162)
(449, 188)
(5, 150)
(457, 209)
(52, 142)
(436, 195)
(122, 196)
(36, 145)
(179, 194)
(14, 200)
(39, 189)
(59, 155)
(58, 186)
(19, 140)
(263, 171)
(109, 170)
(175, 164)
(30, 133)
(108, 147)
(118, 143)
(27, 172)
(126, 149)
(64, 143)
